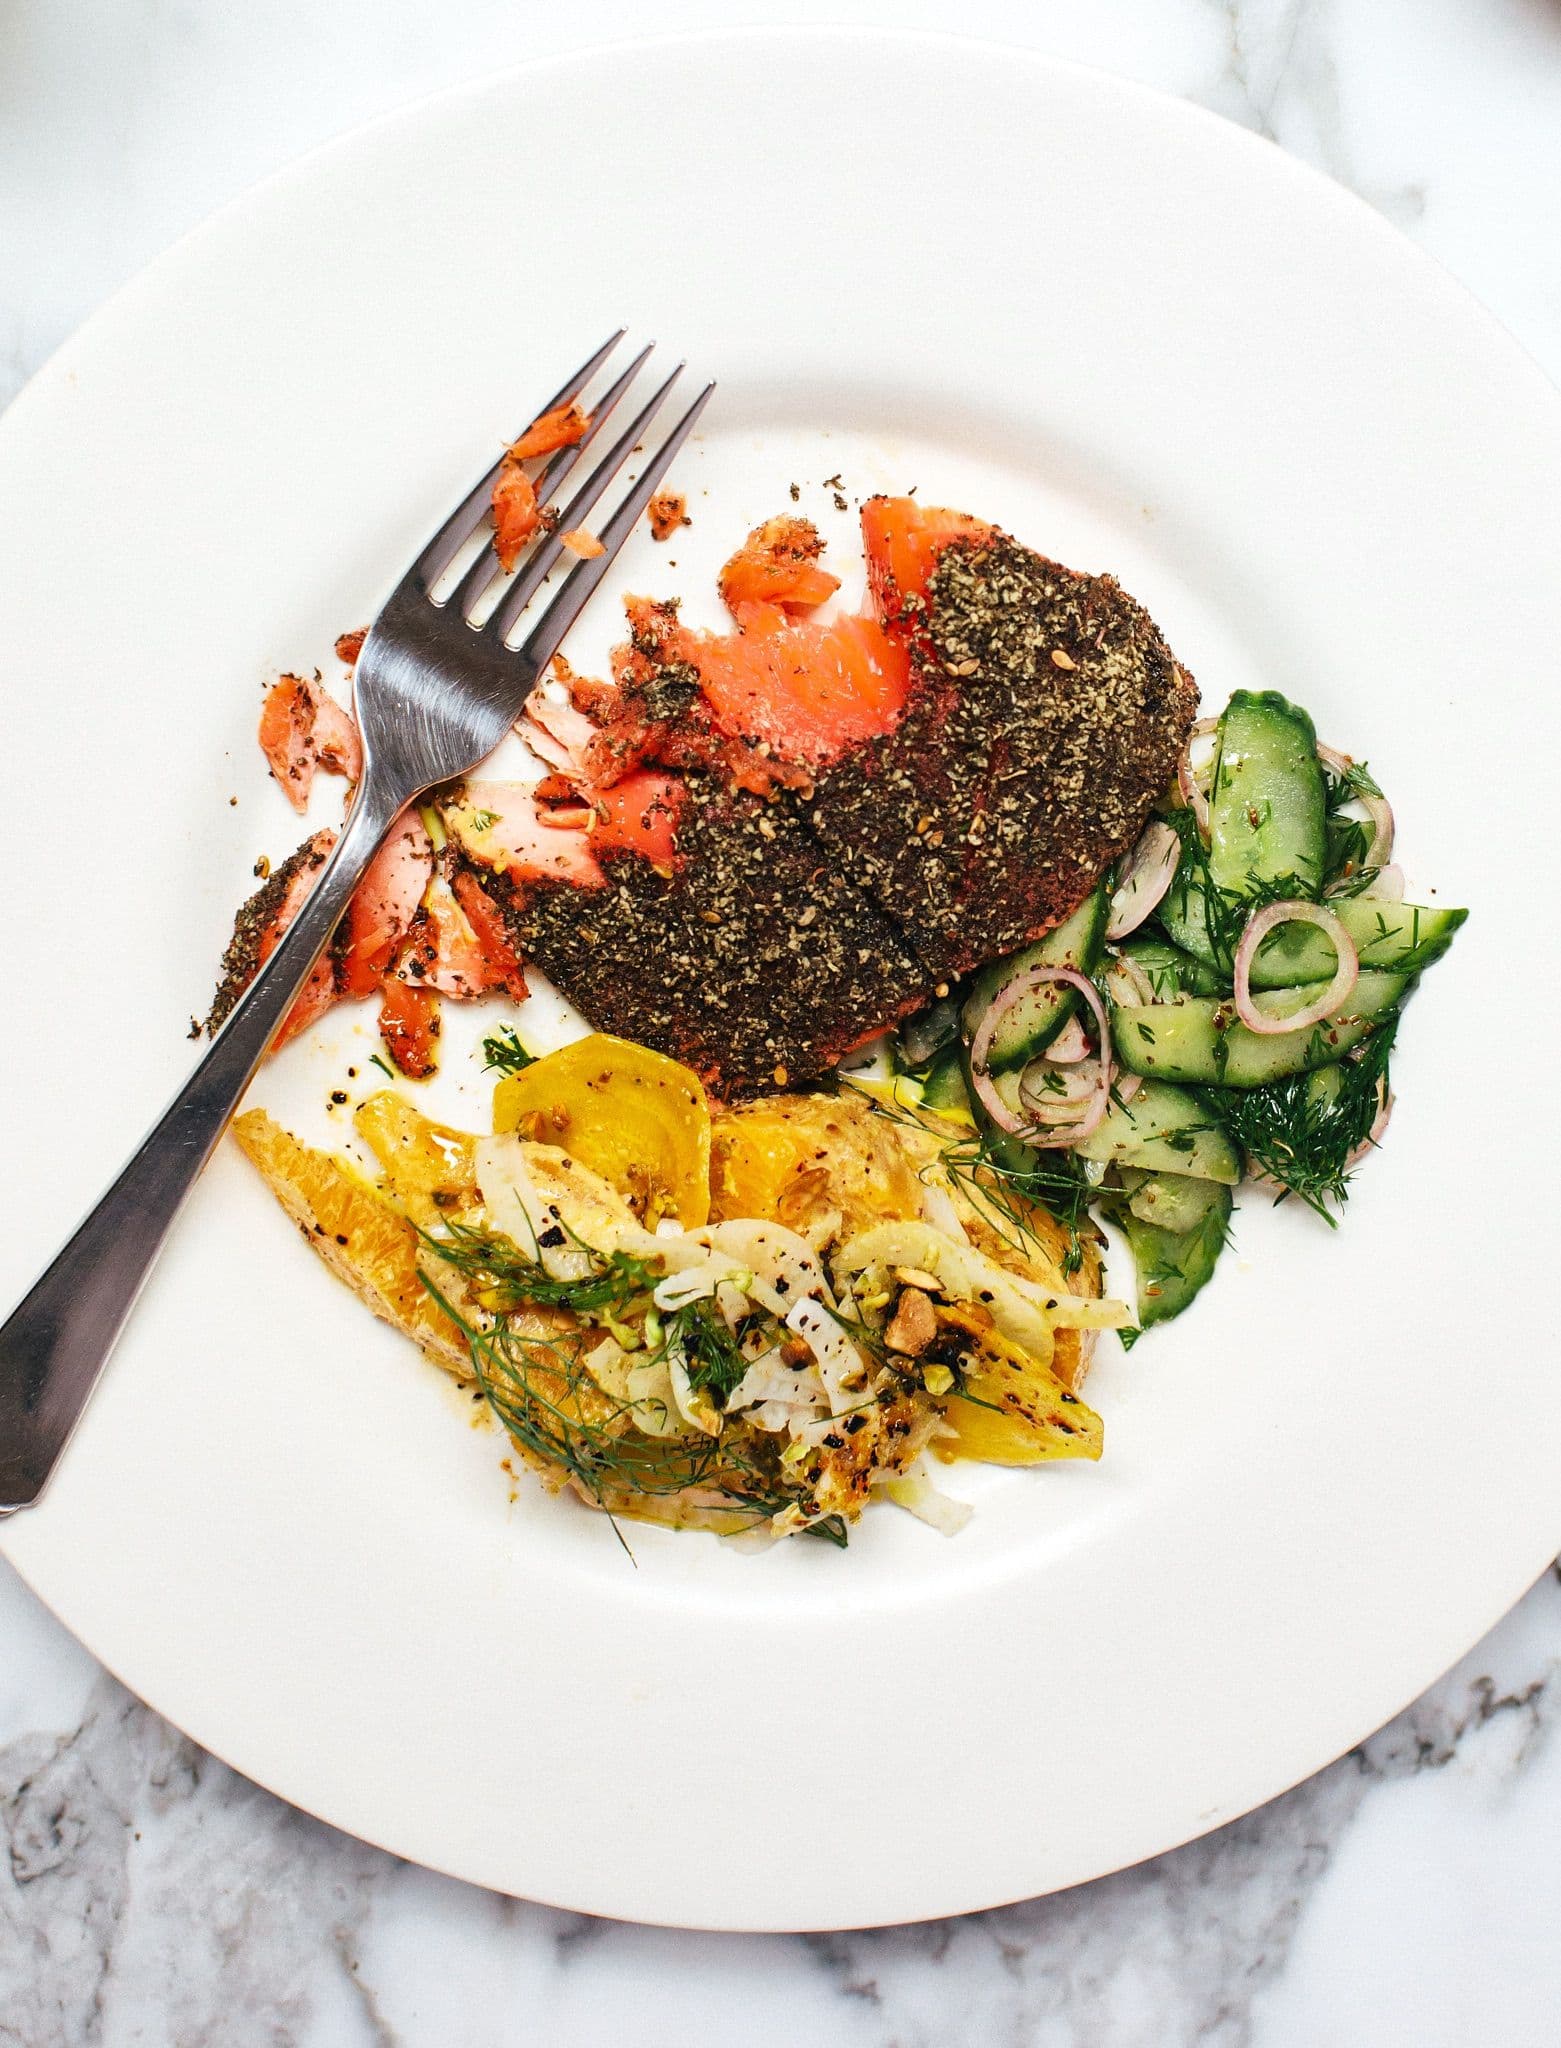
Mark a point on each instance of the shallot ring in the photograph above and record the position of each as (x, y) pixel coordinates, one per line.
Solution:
(981, 1046)
(1293, 910)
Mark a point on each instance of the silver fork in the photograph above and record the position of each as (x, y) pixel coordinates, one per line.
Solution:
(434, 695)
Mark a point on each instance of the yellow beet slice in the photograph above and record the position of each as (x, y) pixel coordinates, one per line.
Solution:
(635, 1117)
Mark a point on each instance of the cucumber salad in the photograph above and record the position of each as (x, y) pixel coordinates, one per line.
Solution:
(1221, 1010)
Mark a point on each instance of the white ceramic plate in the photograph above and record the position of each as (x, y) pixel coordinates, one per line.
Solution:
(1145, 342)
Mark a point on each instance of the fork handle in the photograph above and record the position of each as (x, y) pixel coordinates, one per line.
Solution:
(55, 1342)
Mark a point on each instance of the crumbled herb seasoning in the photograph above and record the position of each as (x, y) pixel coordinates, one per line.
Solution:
(254, 921)
(745, 985)
(1037, 774)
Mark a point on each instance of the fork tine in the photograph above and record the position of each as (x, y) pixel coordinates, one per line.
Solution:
(546, 637)
(468, 515)
(485, 566)
(542, 563)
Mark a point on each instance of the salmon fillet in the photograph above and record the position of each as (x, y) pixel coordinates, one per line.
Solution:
(752, 960)
(1046, 715)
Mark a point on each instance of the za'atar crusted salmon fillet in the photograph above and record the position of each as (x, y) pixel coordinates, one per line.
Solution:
(756, 849)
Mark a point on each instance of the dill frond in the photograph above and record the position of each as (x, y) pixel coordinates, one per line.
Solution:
(503, 1052)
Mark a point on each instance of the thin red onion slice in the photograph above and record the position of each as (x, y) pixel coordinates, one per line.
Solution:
(1377, 808)
(1186, 777)
(981, 1046)
(1055, 1094)
(1293, 910)
(1150, 868)
(1069, 1046)
(1140, 989)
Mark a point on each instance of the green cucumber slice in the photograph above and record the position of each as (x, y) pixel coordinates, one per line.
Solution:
(1163, 1129)
(943, 1085)
(1173, 1265)
(1399, 938)
(1183, 914)
(1034, 1021)
(1200, 1039)
(1171, 972)
(1268, 802)
(1171, 1201)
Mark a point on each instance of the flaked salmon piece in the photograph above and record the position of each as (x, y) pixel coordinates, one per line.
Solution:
(502, 964)
(350, 645)
(667, 511)
(655, 711)
(445, 951)
(803, 692)
(516, 514)
(409, 1026)
(499, 825)
(640, 815)
(564, 739)
(560, 428)
(777, 565)
(303, 728)
(903, 540)
(383, 907)
(260, 924)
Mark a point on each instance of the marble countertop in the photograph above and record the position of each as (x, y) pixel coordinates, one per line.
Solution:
(1407, 1895)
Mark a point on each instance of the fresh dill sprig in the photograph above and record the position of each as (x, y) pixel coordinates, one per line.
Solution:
(1301, 1131)
(711, 1354)
(506, 1278)
(542, 1394)
(1007, 1179)
(502, 1050)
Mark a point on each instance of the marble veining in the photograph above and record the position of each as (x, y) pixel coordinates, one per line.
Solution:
(149, 1893)
(1407, 1895)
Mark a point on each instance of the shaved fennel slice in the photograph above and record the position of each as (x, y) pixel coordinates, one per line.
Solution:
(1023, 1309)
(919, 1495)
(841, 1366)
